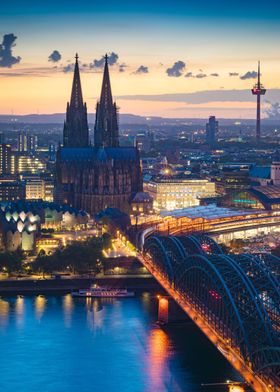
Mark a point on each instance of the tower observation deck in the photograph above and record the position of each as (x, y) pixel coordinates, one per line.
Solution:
(258, 90)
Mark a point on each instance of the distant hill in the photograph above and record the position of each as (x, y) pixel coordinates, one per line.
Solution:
(125, 119)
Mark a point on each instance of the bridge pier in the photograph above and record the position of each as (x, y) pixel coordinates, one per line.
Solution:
(163, 310)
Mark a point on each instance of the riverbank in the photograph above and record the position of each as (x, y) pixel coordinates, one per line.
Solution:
(44, 286)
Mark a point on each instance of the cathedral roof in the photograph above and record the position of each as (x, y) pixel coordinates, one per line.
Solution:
(98, 154)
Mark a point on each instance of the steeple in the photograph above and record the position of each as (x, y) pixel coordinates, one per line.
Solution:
(76, 100)
(75, 132)
(106, 130)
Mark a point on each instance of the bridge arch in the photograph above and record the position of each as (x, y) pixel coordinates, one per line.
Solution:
(238, 295)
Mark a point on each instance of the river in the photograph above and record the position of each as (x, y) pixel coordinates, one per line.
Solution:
(61, 344)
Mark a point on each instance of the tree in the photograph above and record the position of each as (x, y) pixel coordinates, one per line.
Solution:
(11, 261)
(78, 257)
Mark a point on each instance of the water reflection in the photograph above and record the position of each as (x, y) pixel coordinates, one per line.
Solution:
(68, 306)
(4, 312)
(159, 354)
(19, 310)
(40, 305)
(79, 342)
(95, 313)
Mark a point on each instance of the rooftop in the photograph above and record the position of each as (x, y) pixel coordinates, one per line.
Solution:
(260, 172)
(267, 193)
(95, 153)
(208, 212)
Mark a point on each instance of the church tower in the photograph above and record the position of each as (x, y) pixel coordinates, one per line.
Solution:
(106, 130)
(75, 132)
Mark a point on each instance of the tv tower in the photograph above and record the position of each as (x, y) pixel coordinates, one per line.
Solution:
(258, 90)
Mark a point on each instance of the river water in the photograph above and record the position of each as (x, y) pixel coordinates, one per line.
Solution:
(60, 344)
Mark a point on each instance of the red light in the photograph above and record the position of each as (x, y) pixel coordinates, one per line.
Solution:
(205, 247)
(215, 295)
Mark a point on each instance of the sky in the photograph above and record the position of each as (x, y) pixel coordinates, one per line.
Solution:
(168, 58)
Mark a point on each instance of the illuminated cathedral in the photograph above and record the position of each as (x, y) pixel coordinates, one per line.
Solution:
(89, 177)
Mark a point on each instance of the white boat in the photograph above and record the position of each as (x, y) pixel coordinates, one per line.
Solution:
(102, 292)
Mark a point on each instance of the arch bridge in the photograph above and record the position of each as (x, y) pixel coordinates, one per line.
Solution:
(234, 300)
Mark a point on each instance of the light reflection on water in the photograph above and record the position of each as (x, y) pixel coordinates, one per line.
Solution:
(19, 309)
(66, 344)
(40, 305)
(4, 312)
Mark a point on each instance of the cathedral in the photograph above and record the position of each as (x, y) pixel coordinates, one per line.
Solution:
(89, 177)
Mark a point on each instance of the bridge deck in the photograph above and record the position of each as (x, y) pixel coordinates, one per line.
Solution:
(231, 354)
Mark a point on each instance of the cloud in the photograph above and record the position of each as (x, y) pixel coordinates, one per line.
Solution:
(201, 97)
(69, 68)
(273, 112)
(189, 75)
(141, 70)
(30, 72)
(233, 73)
(6, 52)
(122, 67)
(215, 74)
(177, 69)
(249, 75)
(55, 56)
(99, 63)
(200, 76)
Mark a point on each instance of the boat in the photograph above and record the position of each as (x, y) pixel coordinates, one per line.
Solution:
(102, 292)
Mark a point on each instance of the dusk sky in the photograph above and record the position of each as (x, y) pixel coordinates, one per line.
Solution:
(168, 58)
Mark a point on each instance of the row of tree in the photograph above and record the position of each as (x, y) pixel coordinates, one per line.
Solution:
(78, 257)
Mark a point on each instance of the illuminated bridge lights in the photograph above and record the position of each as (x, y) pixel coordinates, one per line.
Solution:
(233, 299)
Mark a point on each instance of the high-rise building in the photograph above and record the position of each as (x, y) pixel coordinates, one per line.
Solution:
(212, 129)
(52, 153)
(106, 175)
(27, 142)
(75, 132)
(25, 163)
(5, 159)
(106, 130)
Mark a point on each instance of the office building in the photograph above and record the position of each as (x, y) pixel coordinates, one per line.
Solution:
(177, 192)
(212, 129)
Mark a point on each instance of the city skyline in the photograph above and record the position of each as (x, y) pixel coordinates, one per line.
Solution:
(168, 60)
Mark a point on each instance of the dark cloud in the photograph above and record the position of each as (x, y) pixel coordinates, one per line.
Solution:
(177, 69)
(215, 74)
(233, 74)
(141, 70)
(200, 76)
(6, 52)
(69, 68)
(122, 67)
(55, 56)
(189, 75)
(99, 63)
(249, 75)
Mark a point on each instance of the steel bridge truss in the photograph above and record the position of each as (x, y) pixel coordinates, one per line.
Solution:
(238, 295)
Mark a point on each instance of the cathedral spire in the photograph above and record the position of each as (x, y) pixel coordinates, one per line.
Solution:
(75, 132)
(106, 132)
(76, 100)
(106, 92)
